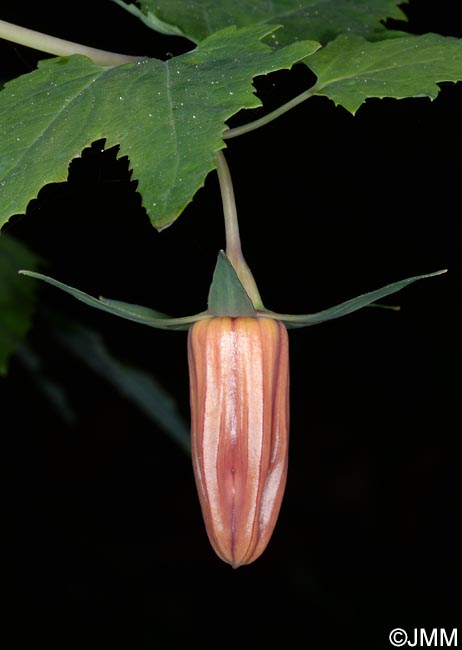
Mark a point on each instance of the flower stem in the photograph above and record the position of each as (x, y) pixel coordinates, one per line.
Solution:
(233, 240)
(59, 46)
(256, 124)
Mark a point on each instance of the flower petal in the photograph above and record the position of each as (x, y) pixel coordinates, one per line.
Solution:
(239, 374)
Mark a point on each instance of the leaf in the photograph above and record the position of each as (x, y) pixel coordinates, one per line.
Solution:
(52, 391)
(350, 306)
(16, 300)
(227, 296)
(135, 313)
(135, 384)
(167, 117)
(319, 20)
(350, 69)
(151, 20)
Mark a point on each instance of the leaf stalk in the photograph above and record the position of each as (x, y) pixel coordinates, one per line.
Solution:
(233, 240)
(266, 119)
(58, 46)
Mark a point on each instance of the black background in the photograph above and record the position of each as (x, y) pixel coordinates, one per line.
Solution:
(104, 542)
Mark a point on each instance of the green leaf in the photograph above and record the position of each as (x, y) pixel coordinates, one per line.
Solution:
(16, 300)
(151, 20)
(167, 117)
(51, 390)
(135, 384)
(348, 307)
(320, 20)
(135, 313)
(350, 69)
(227, 296)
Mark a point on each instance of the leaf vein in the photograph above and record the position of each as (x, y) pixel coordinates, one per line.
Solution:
(172, 123)
(41, 135)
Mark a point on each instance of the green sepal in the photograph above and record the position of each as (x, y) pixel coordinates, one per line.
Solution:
(344, 308)
(227, 296)
(135, 313)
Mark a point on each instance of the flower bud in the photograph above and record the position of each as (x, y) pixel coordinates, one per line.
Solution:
(239, 379)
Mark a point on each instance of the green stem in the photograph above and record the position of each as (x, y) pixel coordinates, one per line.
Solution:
(58, 46)
(262, 121)
(233, 240)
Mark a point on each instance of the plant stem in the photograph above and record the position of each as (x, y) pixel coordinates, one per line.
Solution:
(58, 46)
(233, 240)
(256, 124)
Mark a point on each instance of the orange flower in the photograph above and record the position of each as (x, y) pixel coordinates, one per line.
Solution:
(239, 378)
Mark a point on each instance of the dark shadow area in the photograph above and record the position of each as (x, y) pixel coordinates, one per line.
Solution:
(104, 541)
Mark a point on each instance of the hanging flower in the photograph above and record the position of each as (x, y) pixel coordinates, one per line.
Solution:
(239, 372)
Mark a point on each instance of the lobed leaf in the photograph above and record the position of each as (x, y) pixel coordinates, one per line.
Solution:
(320, 20)
(167, 117)
(350, 69)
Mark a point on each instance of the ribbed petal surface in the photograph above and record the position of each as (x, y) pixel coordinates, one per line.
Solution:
(239, 378)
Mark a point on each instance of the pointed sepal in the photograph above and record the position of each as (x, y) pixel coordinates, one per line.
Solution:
(349, 306)
(136, 313)
(227, 296)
